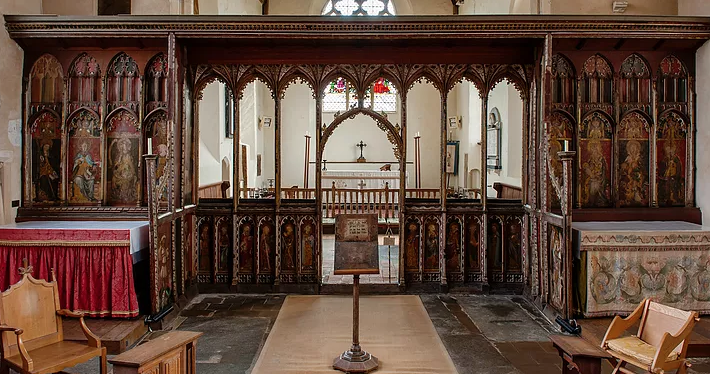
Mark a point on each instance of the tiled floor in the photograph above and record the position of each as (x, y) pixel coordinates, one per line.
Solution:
(389, 259)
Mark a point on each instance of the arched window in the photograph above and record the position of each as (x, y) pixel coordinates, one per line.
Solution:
(340, 96)
(358, 8)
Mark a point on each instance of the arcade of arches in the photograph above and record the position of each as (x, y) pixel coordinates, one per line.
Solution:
(478, 141)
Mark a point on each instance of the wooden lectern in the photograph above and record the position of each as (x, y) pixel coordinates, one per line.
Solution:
(356, 253)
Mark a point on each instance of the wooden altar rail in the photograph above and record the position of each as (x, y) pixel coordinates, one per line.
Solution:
(214, 190)
(382, 201)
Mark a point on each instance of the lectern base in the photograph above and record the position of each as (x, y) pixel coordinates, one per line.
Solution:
(356, 362)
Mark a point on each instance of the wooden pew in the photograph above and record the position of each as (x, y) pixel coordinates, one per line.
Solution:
(170, 353)
(508, 191)
(214, 190)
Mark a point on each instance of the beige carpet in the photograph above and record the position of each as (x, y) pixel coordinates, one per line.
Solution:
(311, 331)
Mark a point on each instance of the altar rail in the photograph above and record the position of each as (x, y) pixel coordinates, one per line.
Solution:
(214, 190)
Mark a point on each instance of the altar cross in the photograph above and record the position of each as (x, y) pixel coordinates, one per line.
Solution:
(362, 147)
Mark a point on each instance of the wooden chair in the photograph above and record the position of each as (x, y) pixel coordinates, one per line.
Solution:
(660, 344)
(31, 329)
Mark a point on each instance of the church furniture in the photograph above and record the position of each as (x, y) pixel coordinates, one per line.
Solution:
(578, 355)
(633, 134)
(171, 353)
(31, 326)
(661, 343)
(664, 260)
(95, 261)
(216, 190)
(507, 191)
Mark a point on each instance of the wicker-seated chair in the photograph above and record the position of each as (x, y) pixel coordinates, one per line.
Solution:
(660, 344)
(31, 330)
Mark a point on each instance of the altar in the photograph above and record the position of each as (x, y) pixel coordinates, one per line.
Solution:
(361, 179)
(93, 261)
(621, 263)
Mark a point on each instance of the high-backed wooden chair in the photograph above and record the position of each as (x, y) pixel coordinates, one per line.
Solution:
(660, 344)
(31, 329)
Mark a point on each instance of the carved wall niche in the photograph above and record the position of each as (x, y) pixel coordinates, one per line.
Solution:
(123, 83)
(156, 87)
(595, 160)
(46, 85)
(84, 85)
(564, 84)
(634, 160)
(673, 85)
(671, 143)
(560, 131)
(452, 250)
(123, 138)
(84, 159)
(246, 250)
(635, 84)
(45, 132)
(596, 85)
(266, 255)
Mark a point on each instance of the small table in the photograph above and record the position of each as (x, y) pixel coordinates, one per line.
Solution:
(578, 355)
(171, 353)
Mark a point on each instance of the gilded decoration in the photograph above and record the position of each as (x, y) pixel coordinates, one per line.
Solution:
(123, 151)
(46, 158)
(84, 154)
(595, 156)
(671, 146)
(634, 182)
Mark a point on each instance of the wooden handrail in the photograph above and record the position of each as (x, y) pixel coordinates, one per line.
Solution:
(213, 190)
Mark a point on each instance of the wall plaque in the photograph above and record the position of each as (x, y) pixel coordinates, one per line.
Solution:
(356, 247)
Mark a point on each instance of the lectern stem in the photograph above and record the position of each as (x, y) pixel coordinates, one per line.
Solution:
(356, 313)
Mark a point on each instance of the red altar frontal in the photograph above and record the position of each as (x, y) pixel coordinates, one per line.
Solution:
(93, 261)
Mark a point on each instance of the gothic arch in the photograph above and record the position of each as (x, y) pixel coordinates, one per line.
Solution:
(382, 122)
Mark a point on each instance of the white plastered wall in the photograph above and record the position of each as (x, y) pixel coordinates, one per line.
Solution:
(424, 117)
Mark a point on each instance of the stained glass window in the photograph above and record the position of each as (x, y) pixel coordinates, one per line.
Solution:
(359, 8)
(341, 96)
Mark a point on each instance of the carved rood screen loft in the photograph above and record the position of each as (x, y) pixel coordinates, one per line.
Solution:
(618, 92)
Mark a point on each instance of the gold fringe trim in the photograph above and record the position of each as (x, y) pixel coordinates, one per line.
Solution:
(64, 243)
(104, 312)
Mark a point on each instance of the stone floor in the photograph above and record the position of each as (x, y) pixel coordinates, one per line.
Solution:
(482, 334)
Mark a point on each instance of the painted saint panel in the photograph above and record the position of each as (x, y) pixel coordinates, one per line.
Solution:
(412, 245)
(288, 246)
(671, 167)
(495, 246)
(595, 150)
(267, 246)
(634, 161)
(204, 249)
(560, 133)
(46, 158)
(431, 245)
(308, 245)
(473, 244)
(84, 156)
(157, 127)
(246, 246)
(224, 246)
(164, 267)
(453, 246)
(513, 245)
(123, 139)
(557, 271)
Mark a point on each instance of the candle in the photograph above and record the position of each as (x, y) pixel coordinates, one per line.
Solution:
(565, 145)
(149, 151)
(307, 134)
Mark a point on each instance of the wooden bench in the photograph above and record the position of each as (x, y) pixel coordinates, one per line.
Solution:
(507, 191)
(170, 353)
(31, 328)
(578, 355)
